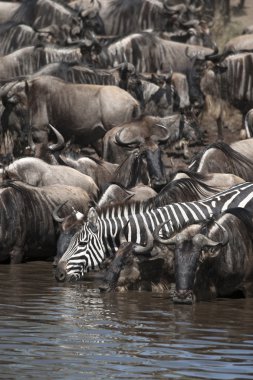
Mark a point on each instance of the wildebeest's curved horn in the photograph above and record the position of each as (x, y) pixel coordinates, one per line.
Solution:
(198, 9)
(161, 139)
(201, 240)
(158, 238)
(118, 139)
(137, 248)
(247, 125)
(55, 212)
(213, 55)
(60, 140)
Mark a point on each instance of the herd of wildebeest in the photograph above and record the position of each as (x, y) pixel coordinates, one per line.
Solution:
(98, 99)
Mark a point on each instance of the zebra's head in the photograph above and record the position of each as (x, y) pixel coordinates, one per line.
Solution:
(85, 251)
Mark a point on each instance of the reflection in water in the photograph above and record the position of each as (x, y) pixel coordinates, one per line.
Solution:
(59, 331)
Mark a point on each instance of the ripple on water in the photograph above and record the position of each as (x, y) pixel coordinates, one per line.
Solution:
(56, 331)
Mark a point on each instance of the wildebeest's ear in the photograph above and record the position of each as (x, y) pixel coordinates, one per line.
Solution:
(92, 219)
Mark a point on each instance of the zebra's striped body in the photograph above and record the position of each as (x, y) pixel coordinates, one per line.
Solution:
(99, 236)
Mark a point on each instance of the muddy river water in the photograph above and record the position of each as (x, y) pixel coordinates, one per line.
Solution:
(57, 331)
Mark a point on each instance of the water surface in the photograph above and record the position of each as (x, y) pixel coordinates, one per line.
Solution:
(58, 331)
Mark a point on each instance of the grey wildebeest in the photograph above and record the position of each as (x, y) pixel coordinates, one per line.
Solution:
(220, 157)
(44, 13)
(29, 59)
(214, 259)
(79, 111)
(28, 229)
(150, 54)
(144, 137)
(217, 181)
(225, 82)
(36, 172)
(100, 170)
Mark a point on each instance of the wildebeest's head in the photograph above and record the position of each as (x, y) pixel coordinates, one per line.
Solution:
(141, 141)
(192, 247)
(15, 116)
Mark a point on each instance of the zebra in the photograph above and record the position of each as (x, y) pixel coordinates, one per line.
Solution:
(99, 237)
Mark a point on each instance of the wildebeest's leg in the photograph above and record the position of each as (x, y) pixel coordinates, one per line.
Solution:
(247, 288)
(110, 279)
(16, 254)
(220, 129)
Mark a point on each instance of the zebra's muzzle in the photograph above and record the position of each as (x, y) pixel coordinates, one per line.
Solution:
(60, 272)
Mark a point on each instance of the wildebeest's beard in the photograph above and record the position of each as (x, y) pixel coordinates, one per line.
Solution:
(132, 171)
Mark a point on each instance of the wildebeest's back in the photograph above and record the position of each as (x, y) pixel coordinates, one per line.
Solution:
(78, 109)
(26, 217)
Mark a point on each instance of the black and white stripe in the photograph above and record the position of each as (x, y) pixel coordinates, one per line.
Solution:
(90, 246)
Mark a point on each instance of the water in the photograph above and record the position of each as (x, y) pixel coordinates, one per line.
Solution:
(71, 331)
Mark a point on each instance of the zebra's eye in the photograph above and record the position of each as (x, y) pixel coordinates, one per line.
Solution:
(83, 243)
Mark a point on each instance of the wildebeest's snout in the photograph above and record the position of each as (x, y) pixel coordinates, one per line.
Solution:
(155, 167)
(183, 296)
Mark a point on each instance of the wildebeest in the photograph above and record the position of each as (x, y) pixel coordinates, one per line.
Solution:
(15, 36)
(122, 17)
(157, 99)
(128, 271)
(101, 171)
(217, 181)
(43, 13)
(7, 9)
(239, 43)
(215, 259)
(36, 172)
(149, 53)
(220, 157)
(224, 83)
(29, 59)
(116, 193)
(75, 110)
(28, 229)
(144, 137)
(74, 72)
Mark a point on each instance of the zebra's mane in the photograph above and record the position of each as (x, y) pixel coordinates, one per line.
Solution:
(181, 190)
(236, 159)
(132, 207)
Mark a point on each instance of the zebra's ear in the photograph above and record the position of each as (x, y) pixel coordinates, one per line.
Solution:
(92, 219)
